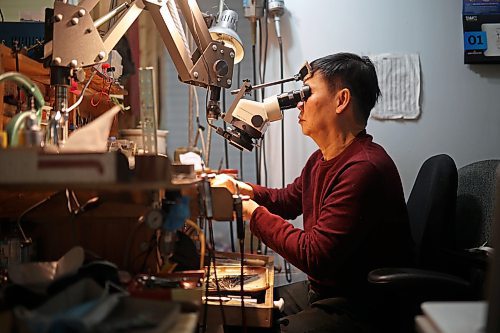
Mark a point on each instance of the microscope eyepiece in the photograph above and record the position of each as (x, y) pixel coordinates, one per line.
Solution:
(289, 100)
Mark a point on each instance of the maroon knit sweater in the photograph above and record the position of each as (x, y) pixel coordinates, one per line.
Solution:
(354, 216)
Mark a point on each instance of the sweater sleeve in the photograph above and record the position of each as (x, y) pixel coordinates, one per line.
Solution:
(286, 202)
(339, 228)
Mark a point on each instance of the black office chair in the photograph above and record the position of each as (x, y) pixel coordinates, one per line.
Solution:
(475, 211)
(431, 209)
(475, 203)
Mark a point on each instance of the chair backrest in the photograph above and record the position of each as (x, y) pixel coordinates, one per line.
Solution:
(493, 291)
(475, 204)
(431, 207)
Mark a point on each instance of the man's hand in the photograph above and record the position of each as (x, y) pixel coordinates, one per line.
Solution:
(232, 184)
(248, 207)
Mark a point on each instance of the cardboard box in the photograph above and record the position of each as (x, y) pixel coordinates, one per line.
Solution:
(257, 314)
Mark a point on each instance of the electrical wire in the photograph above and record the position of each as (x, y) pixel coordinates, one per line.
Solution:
(238, 78)
(263, 59)
(264, 161)
(209, 140)
(103, 92)
(257, 149)
(190, 115)
(80, 98)
(197, 104)
(238, 212)
(226, 150)
(202, 139)
(265, 178)
(226, 157)
(283, 120)
(262, 74)
(196, 101)
(212, 250)
(205, 305)
(241, 165)
(254, 69)
(288, 268)
(199, 135)
(242, 261)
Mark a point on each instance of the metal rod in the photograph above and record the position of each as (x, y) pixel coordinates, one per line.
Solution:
(100, 21)
(264, 85)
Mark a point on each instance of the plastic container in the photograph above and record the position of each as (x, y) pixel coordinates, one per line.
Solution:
(135, 135)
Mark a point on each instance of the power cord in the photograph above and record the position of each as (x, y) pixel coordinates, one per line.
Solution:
(242, 260)
(257, 149)
(262, 74)
(205, 305)
(217, 286)
(226, 157)
(240, 230)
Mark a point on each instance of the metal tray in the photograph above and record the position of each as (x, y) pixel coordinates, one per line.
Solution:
(255, 278)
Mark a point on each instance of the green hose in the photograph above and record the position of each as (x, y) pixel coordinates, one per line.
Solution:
(17, 121)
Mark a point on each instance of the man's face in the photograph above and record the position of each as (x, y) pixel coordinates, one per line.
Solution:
(316, 114)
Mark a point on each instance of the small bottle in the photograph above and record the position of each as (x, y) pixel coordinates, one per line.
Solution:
(32, 133)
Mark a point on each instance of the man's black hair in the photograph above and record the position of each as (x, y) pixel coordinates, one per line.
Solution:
(348, 70)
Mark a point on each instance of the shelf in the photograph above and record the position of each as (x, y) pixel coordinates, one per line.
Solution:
(31, 169)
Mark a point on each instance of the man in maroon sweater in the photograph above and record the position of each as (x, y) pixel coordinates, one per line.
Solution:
(351, 199)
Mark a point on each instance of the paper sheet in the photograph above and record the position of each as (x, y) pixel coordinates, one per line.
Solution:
(399, 82)
(192, 158)
(92, 138)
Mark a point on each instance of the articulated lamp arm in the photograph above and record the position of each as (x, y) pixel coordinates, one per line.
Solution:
(76, 41)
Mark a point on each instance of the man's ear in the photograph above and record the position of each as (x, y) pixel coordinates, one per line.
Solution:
(342, 99)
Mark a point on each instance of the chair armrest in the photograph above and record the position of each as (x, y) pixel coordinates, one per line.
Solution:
(424, 283)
